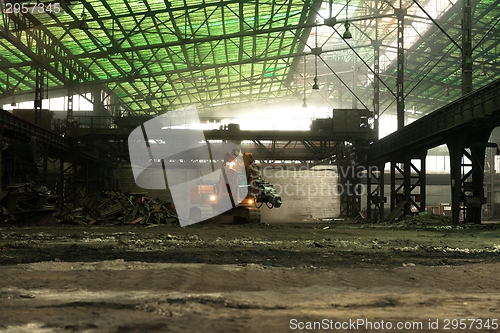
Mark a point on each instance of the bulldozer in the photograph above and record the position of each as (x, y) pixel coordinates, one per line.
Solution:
(241, 182)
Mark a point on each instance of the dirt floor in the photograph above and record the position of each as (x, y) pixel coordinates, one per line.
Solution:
(337, 276)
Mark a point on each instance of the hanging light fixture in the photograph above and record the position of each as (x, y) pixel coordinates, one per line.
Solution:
(316, 54)
(83, 22)
(347, 34)
(315, 85)
(483, 70)
(447, 92)
(13, 98)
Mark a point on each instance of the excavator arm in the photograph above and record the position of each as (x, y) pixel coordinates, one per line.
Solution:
(246, 195)
(264, 191)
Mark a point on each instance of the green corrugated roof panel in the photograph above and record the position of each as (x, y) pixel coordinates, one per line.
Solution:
(180, 52)
(212, 51)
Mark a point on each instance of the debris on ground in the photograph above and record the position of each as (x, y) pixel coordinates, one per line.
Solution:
(27, 203)
(116, 207)
(428, 219)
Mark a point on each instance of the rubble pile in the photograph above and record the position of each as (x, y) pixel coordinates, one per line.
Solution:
(27, 203)
(122, 208)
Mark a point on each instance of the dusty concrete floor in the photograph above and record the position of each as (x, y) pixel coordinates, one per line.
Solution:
(415, 277)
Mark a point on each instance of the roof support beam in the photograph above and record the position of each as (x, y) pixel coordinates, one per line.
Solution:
(437, 24)
(181, 42)
(50, 45)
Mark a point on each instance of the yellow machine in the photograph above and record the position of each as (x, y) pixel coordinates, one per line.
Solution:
(242, 184)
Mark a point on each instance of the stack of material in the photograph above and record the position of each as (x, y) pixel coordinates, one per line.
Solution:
(27, 203)
(124, 208)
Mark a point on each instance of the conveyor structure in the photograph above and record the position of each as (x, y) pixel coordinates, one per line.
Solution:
(465, 126)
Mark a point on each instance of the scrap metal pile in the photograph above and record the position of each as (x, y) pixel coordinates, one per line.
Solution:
(122, 208)
(27, 203)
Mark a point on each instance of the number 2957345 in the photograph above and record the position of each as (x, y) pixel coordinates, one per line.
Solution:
(32, 8)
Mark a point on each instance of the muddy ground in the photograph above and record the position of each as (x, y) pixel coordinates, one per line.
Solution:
(335, 276)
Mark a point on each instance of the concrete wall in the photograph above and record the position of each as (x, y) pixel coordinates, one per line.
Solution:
(125, 178)
(306, 194)
(437, 194)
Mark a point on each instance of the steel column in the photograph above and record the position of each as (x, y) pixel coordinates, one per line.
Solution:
(86, 180)
(407, 185)
(416, 178)
(45, 160)
(466, 47)
(400, 14)
(349, 182)
(455, 149)
(349, 189)
(38, 93)
(75, 185)
(467, 155)
(376, 69)
(375, 196)
(397, 183)
(60, 188)
(406, 178)
(376, 85)
(477, 157)
(477, 199)
(354, 102)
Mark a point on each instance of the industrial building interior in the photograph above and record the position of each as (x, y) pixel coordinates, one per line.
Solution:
(249, 166)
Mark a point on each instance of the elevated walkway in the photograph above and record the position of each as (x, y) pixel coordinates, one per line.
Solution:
(475, 111)
(465, 126)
